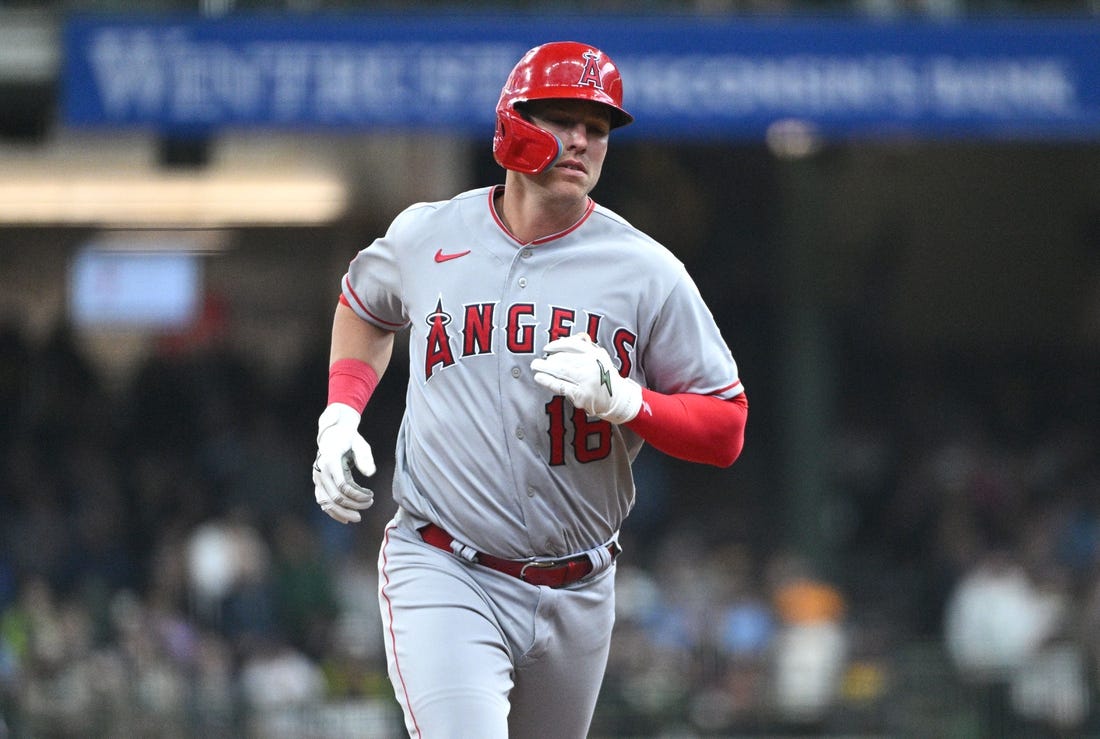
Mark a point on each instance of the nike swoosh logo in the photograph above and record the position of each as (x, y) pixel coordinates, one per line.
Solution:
(441, 257)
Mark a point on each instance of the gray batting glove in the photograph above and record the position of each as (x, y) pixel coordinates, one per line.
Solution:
(339, 445)
(583, 373)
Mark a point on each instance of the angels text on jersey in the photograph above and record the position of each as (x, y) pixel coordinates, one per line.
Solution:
(478, 333)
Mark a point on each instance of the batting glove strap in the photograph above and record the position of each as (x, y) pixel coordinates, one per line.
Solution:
(337, 416)
(339, 446)
(584, 373)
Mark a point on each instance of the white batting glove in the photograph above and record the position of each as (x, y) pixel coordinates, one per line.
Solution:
(339, 445)
(583, 373)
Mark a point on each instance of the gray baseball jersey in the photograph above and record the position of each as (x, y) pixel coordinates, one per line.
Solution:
(483, 451)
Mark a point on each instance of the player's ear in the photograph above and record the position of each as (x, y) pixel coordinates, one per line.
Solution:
(520, 145)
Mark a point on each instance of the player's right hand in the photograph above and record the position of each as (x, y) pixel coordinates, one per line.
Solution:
(339, 445)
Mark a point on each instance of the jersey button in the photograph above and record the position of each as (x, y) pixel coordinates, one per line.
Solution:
(515, 372)
(526, 253)
(523, 282)
(530, 492)
(519, 433)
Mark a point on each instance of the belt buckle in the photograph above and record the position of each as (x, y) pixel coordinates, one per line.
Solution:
(538, 565)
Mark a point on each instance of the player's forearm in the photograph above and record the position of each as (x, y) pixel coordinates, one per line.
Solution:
(354, 338)
(698, 428)
(359, 354)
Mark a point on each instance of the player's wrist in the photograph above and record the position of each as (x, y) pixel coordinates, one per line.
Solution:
(351, 382)
(626, 402)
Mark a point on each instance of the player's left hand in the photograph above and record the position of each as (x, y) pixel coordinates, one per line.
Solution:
(583, 372)
(339, 445)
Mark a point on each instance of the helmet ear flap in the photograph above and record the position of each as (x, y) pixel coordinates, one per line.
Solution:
(522, 146)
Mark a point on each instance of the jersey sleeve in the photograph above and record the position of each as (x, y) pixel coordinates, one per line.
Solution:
(372, 284)
(686, 352)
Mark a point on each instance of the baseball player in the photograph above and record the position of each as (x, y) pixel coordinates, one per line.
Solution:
(548, 340)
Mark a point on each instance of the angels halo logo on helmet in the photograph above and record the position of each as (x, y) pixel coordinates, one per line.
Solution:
(557, 70)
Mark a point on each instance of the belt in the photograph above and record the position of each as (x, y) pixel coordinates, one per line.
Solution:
(553, 573)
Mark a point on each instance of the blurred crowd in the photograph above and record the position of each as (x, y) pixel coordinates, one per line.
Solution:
(164, 570)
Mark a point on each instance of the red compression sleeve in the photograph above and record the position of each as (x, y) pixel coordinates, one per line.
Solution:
(351, 382)
(698, 428)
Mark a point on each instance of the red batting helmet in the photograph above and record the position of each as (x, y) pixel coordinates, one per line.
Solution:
(562, 69)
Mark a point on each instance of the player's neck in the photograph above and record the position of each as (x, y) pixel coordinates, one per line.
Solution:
(530, 215)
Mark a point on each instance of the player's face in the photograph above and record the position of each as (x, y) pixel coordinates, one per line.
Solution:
(583, 128)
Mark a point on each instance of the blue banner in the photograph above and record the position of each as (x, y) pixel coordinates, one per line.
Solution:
(684, 77)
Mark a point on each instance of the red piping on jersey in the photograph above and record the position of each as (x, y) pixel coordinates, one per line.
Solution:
(344, 300)
(393, 637)
(591, 206)
(698, 428)
(727, 388)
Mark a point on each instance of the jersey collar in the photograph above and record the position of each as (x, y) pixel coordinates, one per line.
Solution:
(496, 189)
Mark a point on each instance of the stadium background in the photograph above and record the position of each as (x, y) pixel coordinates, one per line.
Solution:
(908, 546)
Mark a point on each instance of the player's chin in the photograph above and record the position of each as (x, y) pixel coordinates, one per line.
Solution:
(571, 182)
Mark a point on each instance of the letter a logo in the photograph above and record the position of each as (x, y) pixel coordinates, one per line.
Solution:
(438, 351)
(591, 73)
